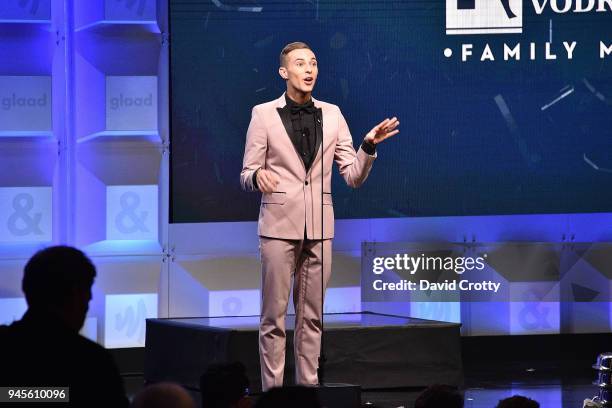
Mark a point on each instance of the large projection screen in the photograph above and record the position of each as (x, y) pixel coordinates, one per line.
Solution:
(517, 120)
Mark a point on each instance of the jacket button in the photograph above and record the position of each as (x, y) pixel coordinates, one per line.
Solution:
(306, 182)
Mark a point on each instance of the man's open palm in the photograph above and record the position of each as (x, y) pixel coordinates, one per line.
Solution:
(382, 131)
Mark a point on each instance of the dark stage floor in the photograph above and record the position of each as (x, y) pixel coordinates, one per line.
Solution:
(553, 369)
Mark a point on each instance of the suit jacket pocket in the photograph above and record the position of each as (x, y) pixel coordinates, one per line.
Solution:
(274, 198)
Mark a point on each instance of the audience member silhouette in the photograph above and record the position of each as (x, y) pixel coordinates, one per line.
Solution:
(518, 401)
(294, 397)
(225, 386)
(439, 396)
(44, 348)
(163, 395)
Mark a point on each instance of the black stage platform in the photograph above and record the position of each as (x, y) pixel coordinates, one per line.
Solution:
(373, 350)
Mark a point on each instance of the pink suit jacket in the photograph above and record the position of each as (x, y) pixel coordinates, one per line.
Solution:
(296, 203)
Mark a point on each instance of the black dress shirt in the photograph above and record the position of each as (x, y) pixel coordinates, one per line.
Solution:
(304, 135)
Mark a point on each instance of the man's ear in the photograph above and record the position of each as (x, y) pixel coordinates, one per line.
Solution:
(282, 71)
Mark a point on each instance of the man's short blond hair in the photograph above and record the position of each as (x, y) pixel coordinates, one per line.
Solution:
(298, 45)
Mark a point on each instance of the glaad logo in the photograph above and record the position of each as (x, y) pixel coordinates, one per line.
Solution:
(123, 101)
(484, 16)
(33, 7)
(15, 101)
(129, 4)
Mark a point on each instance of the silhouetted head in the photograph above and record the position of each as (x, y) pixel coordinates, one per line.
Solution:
(224, 386)
(294, 397)
(439, 395)
(518, 401)
(58, 280)
(163, 395)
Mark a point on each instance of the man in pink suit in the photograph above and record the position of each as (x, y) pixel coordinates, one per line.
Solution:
(282, 159)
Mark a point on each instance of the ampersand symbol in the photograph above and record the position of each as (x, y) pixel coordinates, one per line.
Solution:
(532, 316)
(23, 204)
(129, 203)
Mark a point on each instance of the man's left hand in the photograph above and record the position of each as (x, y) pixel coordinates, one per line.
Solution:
(382, 131)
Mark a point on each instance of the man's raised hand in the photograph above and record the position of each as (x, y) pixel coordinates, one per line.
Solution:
(382, 131)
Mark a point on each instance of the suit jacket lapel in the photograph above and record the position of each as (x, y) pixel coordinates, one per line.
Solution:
(285, 115)
(319, 127)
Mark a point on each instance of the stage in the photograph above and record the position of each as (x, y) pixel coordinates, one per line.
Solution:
(373, 350)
